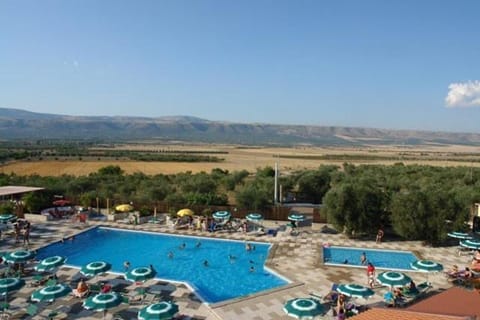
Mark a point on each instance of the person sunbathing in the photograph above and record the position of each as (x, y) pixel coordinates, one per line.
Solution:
(81, 290)
(453, 271)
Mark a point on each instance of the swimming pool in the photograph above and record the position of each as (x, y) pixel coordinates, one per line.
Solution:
(381, 259)
(221, 280)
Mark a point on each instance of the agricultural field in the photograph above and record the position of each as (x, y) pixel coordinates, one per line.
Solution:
(233, 157)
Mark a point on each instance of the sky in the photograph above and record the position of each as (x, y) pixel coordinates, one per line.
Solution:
(400, 64)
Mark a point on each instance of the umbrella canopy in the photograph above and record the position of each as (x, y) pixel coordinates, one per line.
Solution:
(459, 235)
(393, 279)
(355, 291)
(103, 301)
(470, 244)
(51, 293)
(10, 284)
(50, 263)
(221, 215)
(7, 217)
(426, 266)
(296, 217)
(19, 256)
(124, 208)
(140, 274)
(94, 268)
(61, 202)
(254, 217)
(303, 308)
(158, 311)
(185, 212)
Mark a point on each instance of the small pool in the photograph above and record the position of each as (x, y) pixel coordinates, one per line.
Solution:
(381, 259)
(222, 279)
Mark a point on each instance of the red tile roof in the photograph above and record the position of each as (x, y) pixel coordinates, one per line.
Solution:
(455, 301)
(401, 314)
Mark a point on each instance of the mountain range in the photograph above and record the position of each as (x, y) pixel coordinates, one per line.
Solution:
(16, 124)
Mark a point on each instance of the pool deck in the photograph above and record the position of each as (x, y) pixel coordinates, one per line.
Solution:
(298, 258)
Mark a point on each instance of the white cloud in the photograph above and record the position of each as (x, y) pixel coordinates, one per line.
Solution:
(466, 94)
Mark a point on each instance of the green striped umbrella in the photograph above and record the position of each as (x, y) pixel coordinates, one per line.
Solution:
(221, 215)
(303, 308)
(8, 285)
(426, 266)
(50, 263)
(19, 256)
(158, 311)
(254, 217)
(51, 293)
(140, 274)
(459, 235)
(355, 290)
(103, 301)
(393, 279)
(94, 268)
(470, 244)
(7, 217)
(296, 217)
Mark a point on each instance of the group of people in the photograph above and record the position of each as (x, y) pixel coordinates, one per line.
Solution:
(398, 294)
(83, 289)
(455, 274)
(22, 228)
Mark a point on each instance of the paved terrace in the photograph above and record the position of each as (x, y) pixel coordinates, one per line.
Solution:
(295, 257)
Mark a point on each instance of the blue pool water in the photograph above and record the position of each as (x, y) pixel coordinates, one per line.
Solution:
(381, 259)
(221, 280)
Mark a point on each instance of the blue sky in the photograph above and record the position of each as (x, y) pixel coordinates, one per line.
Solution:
(405, 64)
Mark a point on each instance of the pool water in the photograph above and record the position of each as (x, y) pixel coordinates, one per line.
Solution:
(222, 279)
(381, 259)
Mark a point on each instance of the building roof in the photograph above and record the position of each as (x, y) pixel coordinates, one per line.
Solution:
(401, 314)
(12, 190)
(454, 301)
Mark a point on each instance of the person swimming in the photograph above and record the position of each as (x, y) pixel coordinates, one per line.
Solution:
(182, 246)
(205, 263)
(363, 258)
(198, 244)
(170, 255)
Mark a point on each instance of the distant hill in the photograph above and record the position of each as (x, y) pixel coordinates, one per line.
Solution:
(20, 124)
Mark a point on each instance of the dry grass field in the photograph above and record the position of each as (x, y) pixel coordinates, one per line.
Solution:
(251, 158)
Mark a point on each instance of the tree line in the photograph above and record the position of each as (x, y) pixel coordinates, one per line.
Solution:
(416, 202)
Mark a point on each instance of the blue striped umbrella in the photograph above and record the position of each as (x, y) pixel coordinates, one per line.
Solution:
(254, 217)
(303, 308)
(158, 311)
(19, 256)
(51, 293)
(355, 290)
(296, 217)
(94, 268)
(221, 215)
(459, 235)
(470, 244)
(50, 263)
